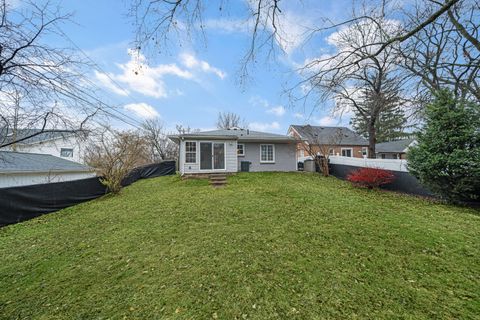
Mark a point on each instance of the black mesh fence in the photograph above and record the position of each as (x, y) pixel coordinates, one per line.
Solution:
(22, 203)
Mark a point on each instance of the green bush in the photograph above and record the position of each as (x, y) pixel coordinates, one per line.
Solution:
(447, 157)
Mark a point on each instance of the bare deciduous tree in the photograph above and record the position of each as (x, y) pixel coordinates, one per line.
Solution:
(228, 120)
(156, 20)
(446, 53)
(319, 148)
(183, 130)
(114, 154)
(160, 146)
(369, 87)
(40, 86)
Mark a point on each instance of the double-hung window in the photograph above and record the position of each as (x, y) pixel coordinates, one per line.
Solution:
(347, 152)
(267, 153)
(190, 152)
(240, 149)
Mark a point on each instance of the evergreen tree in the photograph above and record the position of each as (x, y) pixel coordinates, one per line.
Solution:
(447, 157)
(390, 125)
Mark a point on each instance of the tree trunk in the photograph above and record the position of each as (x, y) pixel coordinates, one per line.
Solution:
(372, 139)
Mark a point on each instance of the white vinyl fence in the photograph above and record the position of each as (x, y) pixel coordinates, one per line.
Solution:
(387, 164)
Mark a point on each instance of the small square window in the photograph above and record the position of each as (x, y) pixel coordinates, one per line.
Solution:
(240, 149)
(66, 152)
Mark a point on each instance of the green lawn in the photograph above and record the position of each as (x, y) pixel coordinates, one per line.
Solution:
(268, 246)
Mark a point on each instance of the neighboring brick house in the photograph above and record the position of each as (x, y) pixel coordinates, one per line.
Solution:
(341, 141)
(394, 149)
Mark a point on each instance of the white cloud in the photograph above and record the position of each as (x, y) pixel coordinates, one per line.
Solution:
(142, 110)
(326, 121)
(261, 126)
(138, 76)
(278, 111)
(298, 115)
(292, 31)
(191, 62)
(228, 25)
(292, 27)
(109, 84)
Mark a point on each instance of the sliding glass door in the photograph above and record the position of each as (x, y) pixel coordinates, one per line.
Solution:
(212, 155)
(205, 156)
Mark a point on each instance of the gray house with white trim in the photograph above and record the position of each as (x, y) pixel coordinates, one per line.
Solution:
(394, 149)
(223, 151)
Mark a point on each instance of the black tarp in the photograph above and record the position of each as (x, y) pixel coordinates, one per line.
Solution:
(22, 203)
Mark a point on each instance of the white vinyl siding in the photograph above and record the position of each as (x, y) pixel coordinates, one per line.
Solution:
(18, 179)
(230, 158)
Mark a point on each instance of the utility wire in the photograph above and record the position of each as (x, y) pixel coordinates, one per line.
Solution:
(99, 68)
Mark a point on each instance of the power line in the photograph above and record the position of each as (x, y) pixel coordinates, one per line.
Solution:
(99, 68)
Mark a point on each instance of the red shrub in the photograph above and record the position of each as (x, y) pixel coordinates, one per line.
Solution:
(370, 177)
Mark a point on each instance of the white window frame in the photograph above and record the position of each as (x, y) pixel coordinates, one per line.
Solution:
(243, 149)
(273, 153)
(351, 152)
(196, 151)
(331, 151)
(69, 149)
(224, 156)
(365, 149)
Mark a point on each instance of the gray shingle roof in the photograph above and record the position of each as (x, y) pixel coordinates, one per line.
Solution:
(41, 136)
(35, 162)
(240, 134)
(324, 135)
(398, 146)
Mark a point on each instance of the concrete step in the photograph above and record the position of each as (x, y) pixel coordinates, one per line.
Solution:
(218, 178)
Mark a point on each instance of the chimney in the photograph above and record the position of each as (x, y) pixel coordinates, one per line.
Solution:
(248, 131)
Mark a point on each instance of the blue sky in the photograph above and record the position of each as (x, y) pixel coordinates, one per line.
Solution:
(191, 83)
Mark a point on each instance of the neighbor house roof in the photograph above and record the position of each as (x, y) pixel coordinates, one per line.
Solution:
(242, 135)
(398, 146)
(37, 135)
(325, 135)
(11, 162)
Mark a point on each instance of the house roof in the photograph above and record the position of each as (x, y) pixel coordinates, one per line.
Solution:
(324, 135)
(242, 135)
(39, 137)
(398, 146)
(11, 162)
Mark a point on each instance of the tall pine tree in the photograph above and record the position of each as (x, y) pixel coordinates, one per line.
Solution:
(390, 125)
